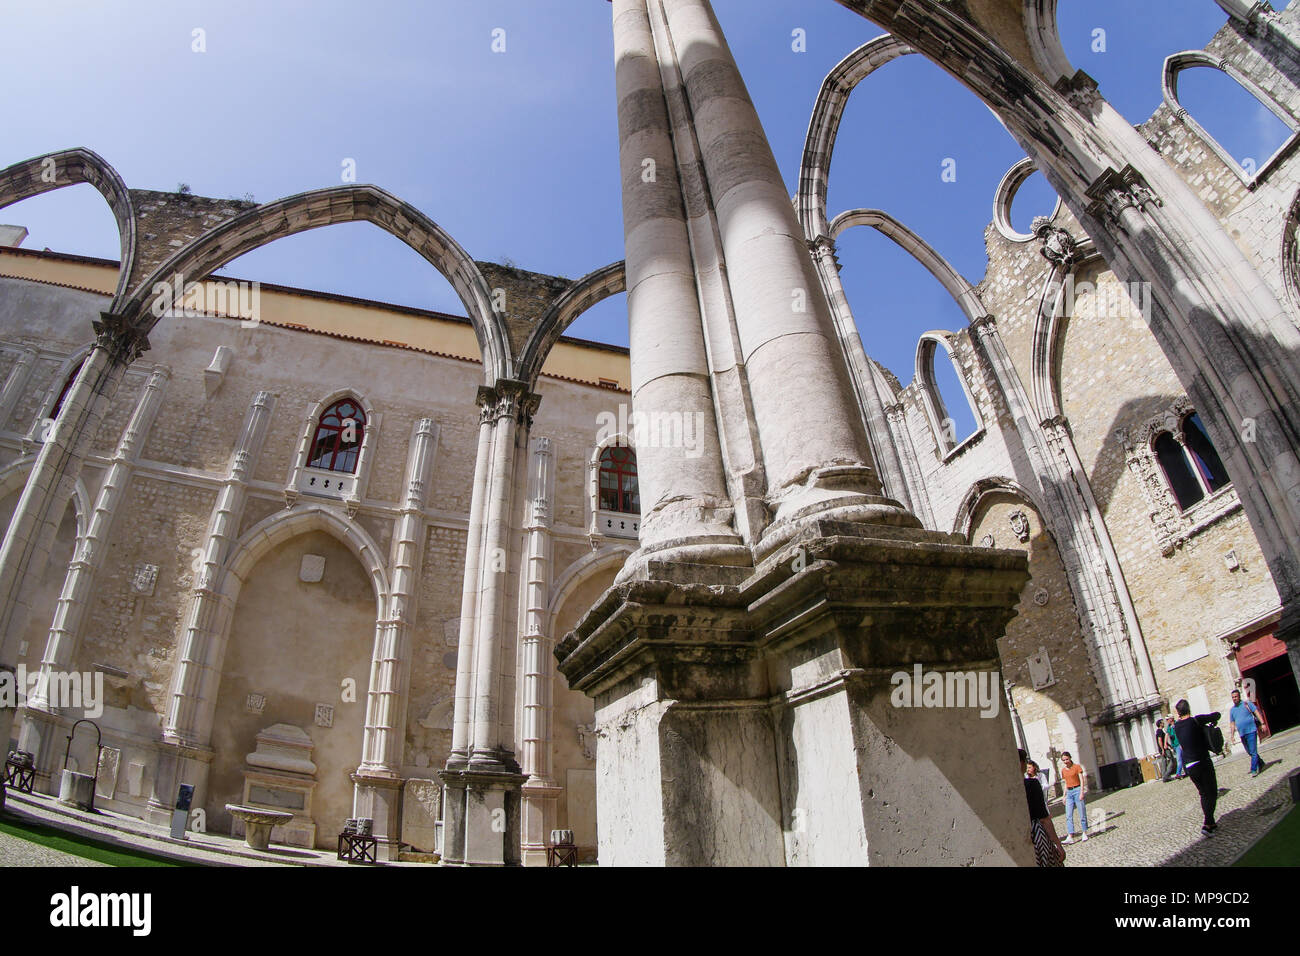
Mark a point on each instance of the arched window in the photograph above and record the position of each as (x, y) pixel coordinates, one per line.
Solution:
(954, 416)
(1178, 471)
(618, 486)
(1263, 127)
(1190, 462)
(63, 394)
(337, 442)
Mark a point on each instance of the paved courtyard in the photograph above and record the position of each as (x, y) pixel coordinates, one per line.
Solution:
(1159, 824)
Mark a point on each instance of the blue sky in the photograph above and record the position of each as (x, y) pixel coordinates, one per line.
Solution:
(515, 153)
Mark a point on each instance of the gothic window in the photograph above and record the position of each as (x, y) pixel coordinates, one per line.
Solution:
(1268, 133)
(954, 417)
(618, 485)
(337, 442)
(1190, 464)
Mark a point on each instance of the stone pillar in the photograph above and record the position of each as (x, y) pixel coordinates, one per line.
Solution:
(870, 404)
(684, 495)
(782, 318)
(482, 779)
(744, 705)
(751, 718)
(30, 535)
(378, 780)
(187, 727)
(538, 664)
(40, 719)
(16, 384)
(896, 416)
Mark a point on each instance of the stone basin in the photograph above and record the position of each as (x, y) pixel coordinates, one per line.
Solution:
(258, 823)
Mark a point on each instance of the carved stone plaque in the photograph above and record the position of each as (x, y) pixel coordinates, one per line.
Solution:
(324, 715)
(144, 579)
(313, 568)
(254, 703)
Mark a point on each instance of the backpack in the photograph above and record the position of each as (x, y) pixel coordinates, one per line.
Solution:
(1215, 737)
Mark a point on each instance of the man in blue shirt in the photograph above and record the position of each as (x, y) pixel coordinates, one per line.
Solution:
(1245, 721)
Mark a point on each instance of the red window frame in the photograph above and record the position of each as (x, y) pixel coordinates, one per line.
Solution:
(618, 482)
(330, 448)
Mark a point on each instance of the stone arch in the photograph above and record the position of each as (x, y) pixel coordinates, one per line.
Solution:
(935, 408)
(272, 531)
(62, 376)
(72, 166)
(815, 167)
(1190, 59)
(939, 267)
(324, 207)
(591, 289)
(610, 557)
(14, 476)
(1045, 348)
(963, 522)
(1044, 36)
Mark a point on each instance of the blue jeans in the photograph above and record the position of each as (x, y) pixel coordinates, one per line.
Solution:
(1248, 741)
(1182, 771)
(1074, 798)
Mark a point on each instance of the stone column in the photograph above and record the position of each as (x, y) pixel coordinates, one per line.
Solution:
(684, 495)
(870, 403)
(464, 699)
(15, 384)
(378, 780)
(481, 799)
(187, 727)
(40, 719)
(782, 317)
(896, 416)
(538, 670)
(744, 709)
(30, 535)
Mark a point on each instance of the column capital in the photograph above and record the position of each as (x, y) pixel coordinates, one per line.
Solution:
(1115, 191)
(123, 341)
(984, 325)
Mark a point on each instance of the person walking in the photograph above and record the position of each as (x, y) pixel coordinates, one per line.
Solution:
(1042, 834)
(1196, 757)
(1075, 778)
(1171, 738)
(1246, 721)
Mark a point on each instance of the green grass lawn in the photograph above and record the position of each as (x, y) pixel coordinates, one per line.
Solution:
(80, 846)
(1279, 847)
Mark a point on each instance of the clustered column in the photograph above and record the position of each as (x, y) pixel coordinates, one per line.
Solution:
(70, 610)
(188, 724)
(538, 665)
(30, 535)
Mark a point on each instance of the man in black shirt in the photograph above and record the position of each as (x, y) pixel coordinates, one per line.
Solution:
(1196, 759)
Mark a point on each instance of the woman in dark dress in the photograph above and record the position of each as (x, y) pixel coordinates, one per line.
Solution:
(1047, 844)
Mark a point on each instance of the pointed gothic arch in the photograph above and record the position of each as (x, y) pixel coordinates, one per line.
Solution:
(69, 167)
(582, 295)
(257, 227)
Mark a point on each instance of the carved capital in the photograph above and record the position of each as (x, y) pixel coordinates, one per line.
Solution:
(984, 325)
(1081, 92)
(124, 342)
(1115, 191)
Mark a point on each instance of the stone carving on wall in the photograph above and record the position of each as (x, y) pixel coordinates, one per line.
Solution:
(312, 568)
(144, 579)
(1041, 597)
(1171, 525)
(254, 703)
(1040, 670)
(987, 541)
(324, 715)
(1020, 525)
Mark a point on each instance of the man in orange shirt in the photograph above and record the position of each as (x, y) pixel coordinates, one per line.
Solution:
(1075, 779)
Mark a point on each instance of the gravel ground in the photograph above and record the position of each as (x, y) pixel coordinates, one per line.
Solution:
(1159, 824)
(15, 851)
